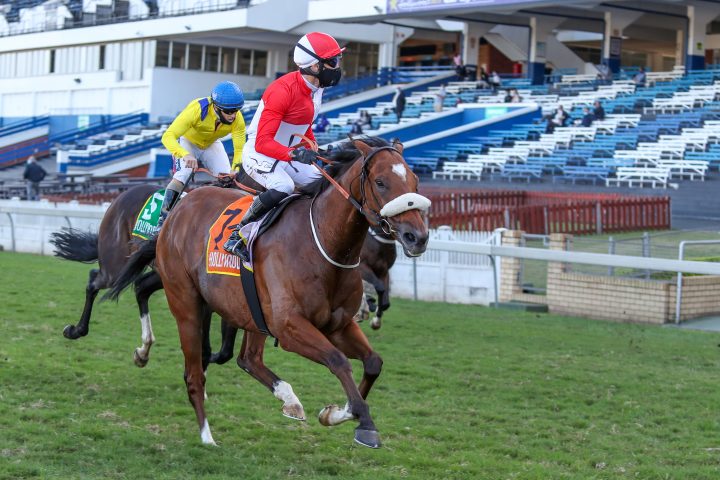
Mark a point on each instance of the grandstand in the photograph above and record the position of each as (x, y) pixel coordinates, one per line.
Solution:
(96, 98)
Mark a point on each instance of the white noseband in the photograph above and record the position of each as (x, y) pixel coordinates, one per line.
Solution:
(405, 202)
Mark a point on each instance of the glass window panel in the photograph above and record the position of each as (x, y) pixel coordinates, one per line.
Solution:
(178, 55)
(212, 56)
(260, 65)
(162, 53)
(244, 59)
(227, 61)
(195, 57)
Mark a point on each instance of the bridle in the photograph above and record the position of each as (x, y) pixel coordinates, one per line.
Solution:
(367, 212)
(376, 218)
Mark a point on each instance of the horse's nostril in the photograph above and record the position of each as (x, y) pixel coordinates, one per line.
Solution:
(410, 238)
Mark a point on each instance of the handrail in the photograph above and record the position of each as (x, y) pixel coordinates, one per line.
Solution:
(25, 125)
(99, 127)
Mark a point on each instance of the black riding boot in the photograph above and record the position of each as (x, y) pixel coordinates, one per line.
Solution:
(262, 204)
(171, 198)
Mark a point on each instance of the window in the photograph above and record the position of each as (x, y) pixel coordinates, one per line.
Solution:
(178, 55)
(227, 60)
(244, 62)
(162, 54)
(52, 61)
(260, 65)
(101, 60)
(212, 56)
(195, 57)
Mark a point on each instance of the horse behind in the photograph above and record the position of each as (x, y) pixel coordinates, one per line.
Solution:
(307, 283)
(111, 247)
(376, 259)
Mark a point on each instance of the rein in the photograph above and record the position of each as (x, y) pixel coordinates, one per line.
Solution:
(239, 185)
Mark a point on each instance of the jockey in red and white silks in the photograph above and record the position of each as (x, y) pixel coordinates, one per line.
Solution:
(288, 108)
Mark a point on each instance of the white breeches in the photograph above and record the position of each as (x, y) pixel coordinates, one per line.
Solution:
(276, 175)
(214, 158)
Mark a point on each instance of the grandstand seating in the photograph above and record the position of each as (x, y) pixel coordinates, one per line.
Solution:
(668, 129)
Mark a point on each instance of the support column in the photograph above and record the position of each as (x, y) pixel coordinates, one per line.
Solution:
(472, 32)
(540, 30)
(615, 22)
(698, 18)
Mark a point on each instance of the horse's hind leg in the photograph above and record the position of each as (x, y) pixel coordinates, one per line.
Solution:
(145, 286)
(73, 332)
(250, 359)
(228, 344)
(191, 315)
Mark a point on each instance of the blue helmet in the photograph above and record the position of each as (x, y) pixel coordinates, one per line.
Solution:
(227, 96)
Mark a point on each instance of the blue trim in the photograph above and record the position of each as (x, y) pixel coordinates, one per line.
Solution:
(536, 73)
(695, 62)
(204, 108)
(613, 64)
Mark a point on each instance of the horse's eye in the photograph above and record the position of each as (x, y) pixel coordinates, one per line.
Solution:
(379, 183)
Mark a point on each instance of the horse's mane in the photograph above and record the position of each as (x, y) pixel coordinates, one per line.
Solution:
(343, 157)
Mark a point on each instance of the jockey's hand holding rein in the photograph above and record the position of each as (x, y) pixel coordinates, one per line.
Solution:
(304, 155)
(190, 162)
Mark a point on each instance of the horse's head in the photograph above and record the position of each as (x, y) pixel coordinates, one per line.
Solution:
(388, 188)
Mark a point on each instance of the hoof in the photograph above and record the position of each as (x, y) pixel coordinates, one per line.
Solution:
(294, 411)
(324, 415)
(71, 333)
(219, 358)
(139, 361)
(376, 323)
(368, 438)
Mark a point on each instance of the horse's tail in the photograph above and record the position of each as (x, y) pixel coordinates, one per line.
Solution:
(76, 245)
(133, 268)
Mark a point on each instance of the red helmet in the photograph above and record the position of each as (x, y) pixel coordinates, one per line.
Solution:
(315, 46)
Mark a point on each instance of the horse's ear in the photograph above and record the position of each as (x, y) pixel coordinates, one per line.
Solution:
(397, 145)
(362, 146)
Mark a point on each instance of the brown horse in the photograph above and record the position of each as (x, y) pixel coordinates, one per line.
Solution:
(376, 259)
(111, 247)
(304, 266)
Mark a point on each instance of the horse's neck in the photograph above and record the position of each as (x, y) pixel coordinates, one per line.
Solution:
(341, 228)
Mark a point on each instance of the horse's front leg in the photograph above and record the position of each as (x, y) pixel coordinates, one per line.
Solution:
(383, 301)
(144, 287)
(306, 340)
(250, 359)
(354, 344)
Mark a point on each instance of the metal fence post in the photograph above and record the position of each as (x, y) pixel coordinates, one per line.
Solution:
(646, 250)
(598, 218)
(414, 268)
(611, 251)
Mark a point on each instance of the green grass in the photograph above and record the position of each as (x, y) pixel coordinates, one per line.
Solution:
(466, 392)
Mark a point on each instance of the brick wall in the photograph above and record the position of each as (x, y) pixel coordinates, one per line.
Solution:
(609, 298)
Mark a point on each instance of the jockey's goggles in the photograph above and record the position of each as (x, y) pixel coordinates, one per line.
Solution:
(332, 62)
(228, 111)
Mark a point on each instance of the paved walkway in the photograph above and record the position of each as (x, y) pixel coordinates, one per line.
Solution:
(707, 324)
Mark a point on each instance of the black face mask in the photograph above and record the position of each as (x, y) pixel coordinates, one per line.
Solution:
(328, 77)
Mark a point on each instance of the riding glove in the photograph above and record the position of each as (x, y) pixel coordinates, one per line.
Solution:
(303, 155)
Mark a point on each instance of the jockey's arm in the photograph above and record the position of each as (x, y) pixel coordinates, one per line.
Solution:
(182, 123)
(270, 119)
(238, 140)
